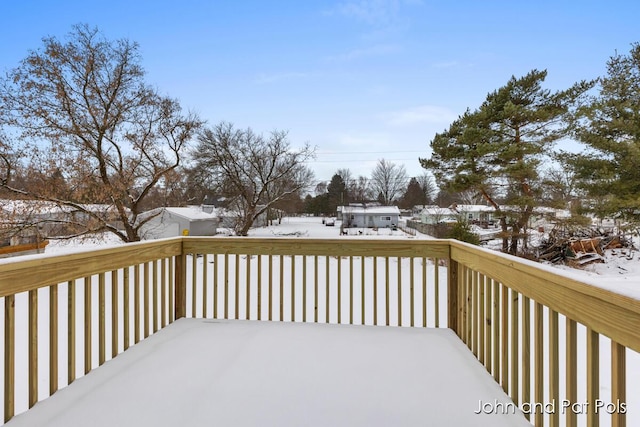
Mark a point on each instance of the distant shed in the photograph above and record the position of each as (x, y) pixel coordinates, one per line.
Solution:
(181, 221)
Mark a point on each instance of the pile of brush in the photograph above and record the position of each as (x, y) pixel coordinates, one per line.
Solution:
(579, 247)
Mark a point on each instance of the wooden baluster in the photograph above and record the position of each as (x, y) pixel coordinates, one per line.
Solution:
(618, 384)
(411, 291)
(33, 347)
(247, 308)
(101, 320)
(554, 370)
(539, 362)
(114, 313)
(53, 339)
(571, 366)
(87, 325)
(71, 331)
(593, 376)
(526, 352)
(515, 358)
(9, 356)
(126, 309)
(205, 285)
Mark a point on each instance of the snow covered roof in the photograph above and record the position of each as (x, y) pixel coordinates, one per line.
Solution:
(438, 211)
(561, 213)
(474, 208)
(373, 210)
(46, 207)
(194, 213)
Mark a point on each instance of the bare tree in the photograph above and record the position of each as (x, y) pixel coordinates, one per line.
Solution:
(321, 188)
(470, 197)
(560, 185)
(428, 185)
(388, 181)
(347, 177)
(111, 137)
(361, 190)
(256, 171)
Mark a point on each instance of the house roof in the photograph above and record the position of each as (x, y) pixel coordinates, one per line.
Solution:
(373, 210)
(438, 211)
(47, 207)
(192, 213)
(474, 208)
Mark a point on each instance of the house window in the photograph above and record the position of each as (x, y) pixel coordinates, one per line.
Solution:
(385, 218)
(353, 217)
(470, 216)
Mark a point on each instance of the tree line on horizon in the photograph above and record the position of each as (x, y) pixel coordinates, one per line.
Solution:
(79, 125)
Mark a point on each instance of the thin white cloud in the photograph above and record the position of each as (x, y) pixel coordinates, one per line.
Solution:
(373, 12)
(372, 51)
(446, 64)
(418, 115)
(276, 77)
(451, 64)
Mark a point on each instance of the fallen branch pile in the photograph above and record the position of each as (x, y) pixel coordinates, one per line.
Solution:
(579, 247)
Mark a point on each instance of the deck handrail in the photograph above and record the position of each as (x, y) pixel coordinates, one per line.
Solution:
(496, 294)
(609, 313)
(129, 292)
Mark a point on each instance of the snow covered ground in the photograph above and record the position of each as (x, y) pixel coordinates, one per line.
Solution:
(619, 273)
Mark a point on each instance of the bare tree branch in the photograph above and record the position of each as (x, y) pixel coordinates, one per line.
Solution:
(256, 171)
(111, 136)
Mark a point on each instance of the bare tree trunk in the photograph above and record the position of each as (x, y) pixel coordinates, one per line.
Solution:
(505, 234)
(515, 236)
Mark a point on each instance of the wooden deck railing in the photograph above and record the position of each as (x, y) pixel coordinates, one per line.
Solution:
(118, 296)
(102, 291)
(501, 306)
(317, 280)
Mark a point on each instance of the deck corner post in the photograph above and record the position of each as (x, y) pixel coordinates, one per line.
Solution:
(452, 296)
(180, 286)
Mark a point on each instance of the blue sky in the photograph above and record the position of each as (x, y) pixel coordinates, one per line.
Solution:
(359, 79)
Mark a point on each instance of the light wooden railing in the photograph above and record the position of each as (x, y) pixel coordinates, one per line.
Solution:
(104, 299)
(118, 296)
(363, 282)
(501, 306)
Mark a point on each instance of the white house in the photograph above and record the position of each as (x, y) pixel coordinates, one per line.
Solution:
(369, 217)
(475, 213)
(436, 215)
(180, 221)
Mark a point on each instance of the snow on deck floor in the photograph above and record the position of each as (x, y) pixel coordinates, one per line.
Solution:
(200, 372)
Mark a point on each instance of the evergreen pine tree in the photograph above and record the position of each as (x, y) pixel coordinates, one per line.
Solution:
(497, 150)
(610, 168)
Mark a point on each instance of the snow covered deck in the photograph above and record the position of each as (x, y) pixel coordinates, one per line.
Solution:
(199, 372)
(545, 338)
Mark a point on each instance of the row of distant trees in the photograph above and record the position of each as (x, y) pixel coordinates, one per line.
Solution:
(389, 184)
